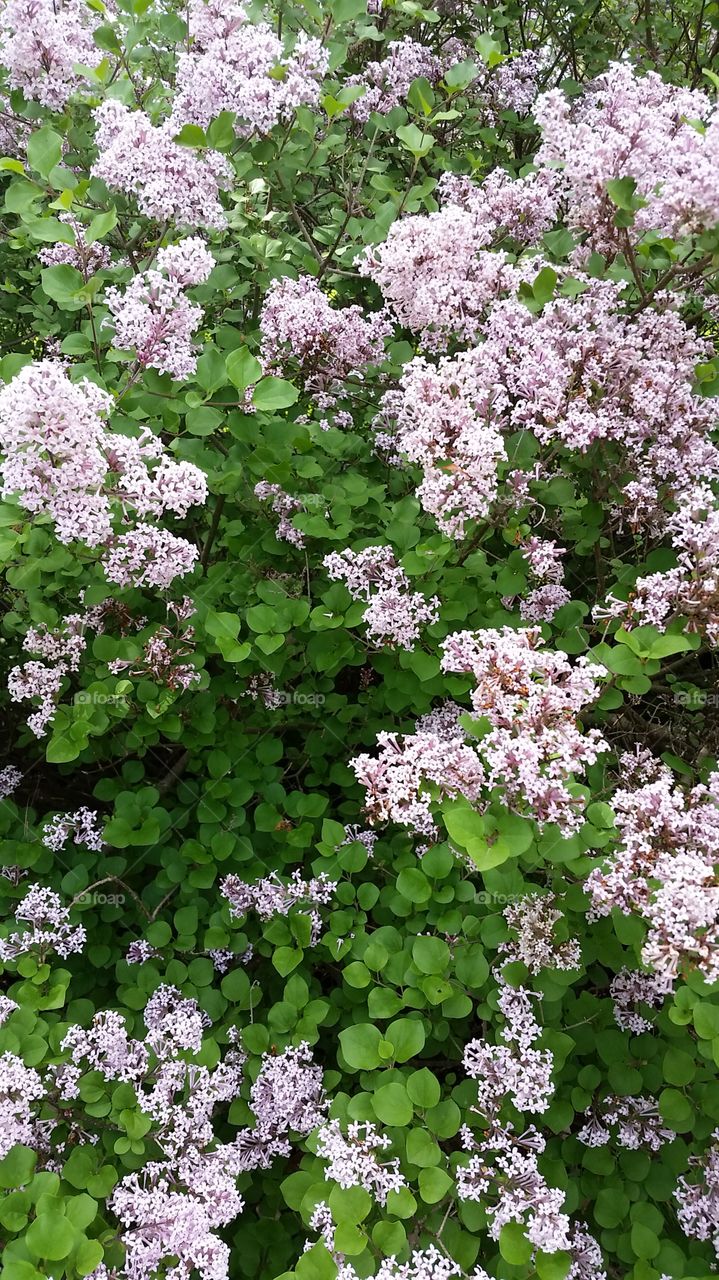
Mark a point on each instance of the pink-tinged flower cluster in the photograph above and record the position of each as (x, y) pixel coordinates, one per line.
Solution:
(284, 506)
(170, 183)
(83, 825)
(20, 1086)
(665, 871)
(41, 44)
(394, 613)
(698, 1202)
(288, 1096)
(532, 918)
(235, 64)
(86, 258)
(61, 460)
(422, 1264)
(162, 659)
(515, 1070)
(148, 557)
(629, 1122)
(545, 567)
(10, 779)
(638, 126)
(154, 317)
(355, 1160)
(273, 897)
(689, 591)
(514, 83)
(399, 779)
(61, 646)
(444, 418)
(503, 1175)
(299, 327)
(532, 698)
(46, 927)
(7, 1006)
(262, 689)
(388, 82)
(630, 988)
(439, 273)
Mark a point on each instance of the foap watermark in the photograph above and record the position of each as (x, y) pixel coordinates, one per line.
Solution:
(85, 698)
(93, 899)
(497, 899)
(696, 699)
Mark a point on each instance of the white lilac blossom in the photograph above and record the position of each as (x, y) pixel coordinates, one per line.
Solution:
(330, 344)
(284, 506)
(42, 43)
(150, 557)
(154, 317)
(169, 182)
(60, 457)
(7, 1006)
(503, 1174)
(637, 125)
(47, 927)
(61, 646)
(514, 1070)
(174, 1022)
(85, 258)
(237, 64)
(664, 870)
(398, 779)
(532, 698)
(629, 1122)
(698, 1202)
(20, 1086)
(288, 1094)
(10, 779)
(532, 918)
(271, 896)
(387, 83)
(394, 613)
(82, 825)
(356, 1160)
(630, 988)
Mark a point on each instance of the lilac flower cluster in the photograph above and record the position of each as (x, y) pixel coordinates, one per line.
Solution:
(10, 779)
(234, 64)
(399, 778)
(533, 918)
(633, 125)
(354, 1160)
(20, 1086)
(284, 506)
(387, 83)
(59, 457)
(514, 1070)
(83, 825)
(394, 614)
(664, 871)
(630, 1122)
(153, 315)
(86, 258)
(630, 988)
(543, 601)
(147, 556)
(47, 927)
(61, 646)
(273, 897)
(698, 1202)
(170, 183)
(41, 44)
(532, 698)
(329, 344)
(163, 654)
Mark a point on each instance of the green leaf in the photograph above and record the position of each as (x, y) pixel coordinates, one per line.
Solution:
(514, 1245)
(100, 225)
(274, 393)
(50, 1236)
(191, 135)
(44, 150)
(360, 1046)
(414, 140)
(221, 133)
(391, 1104)
(243, 369)
(407, 1037)
(434, 1185)
(431, 955)
(17, 1167)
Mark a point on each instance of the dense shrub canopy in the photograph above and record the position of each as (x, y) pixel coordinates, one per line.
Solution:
(360, 798)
